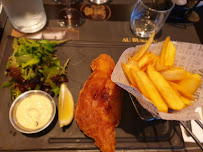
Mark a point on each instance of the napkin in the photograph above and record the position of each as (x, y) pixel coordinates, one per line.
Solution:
(196, 129)
(50, 33)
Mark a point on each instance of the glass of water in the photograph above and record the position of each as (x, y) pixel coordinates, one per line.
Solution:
(27, 16)
(149, 16)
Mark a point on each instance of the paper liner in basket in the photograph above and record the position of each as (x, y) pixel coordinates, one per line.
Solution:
(188, 55)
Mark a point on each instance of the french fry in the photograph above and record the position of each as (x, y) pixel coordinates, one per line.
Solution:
(182, 90)
(186, 101)
(129, 75)
(170, 96)
(132, 64)
(160, 67)
(167, 55)
(151, 91)
(146, 59)
(144, 68)
(188, 74)
(170, 54)
(155, 59)
(144, 48)
(140, 85)
(163, 50)
(191, 83)
(133, 86)
(174, 74)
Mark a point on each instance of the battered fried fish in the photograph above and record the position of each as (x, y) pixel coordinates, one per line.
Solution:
(99, 106)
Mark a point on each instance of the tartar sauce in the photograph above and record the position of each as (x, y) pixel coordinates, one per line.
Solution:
(34, 111)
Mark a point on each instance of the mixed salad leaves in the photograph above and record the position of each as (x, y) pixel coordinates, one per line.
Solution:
(34, 65)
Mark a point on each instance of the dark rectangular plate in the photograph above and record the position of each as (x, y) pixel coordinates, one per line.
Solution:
(132, 133)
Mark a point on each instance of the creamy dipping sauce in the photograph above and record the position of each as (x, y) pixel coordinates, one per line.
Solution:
(34, 111)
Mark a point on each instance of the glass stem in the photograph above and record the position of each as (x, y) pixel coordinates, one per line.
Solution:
(68, 4)
(68, 12)
(68, 8)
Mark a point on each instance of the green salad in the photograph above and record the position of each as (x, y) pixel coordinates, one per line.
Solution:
(35, 66)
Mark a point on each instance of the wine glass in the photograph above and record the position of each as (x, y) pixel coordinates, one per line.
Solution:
(68, 16)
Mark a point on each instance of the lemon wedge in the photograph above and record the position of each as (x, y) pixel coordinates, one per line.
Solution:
(65, 106)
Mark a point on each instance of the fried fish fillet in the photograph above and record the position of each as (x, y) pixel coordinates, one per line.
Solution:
(99, 106)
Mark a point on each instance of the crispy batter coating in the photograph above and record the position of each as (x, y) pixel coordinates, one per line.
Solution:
(99, 106)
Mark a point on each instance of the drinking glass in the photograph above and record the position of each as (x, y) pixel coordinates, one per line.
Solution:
(27, 16)
(68, 16)
(149, 16)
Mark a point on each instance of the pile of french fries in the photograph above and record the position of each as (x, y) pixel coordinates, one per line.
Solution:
(166, 86)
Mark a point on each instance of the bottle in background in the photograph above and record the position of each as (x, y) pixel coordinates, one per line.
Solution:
(27, 16)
